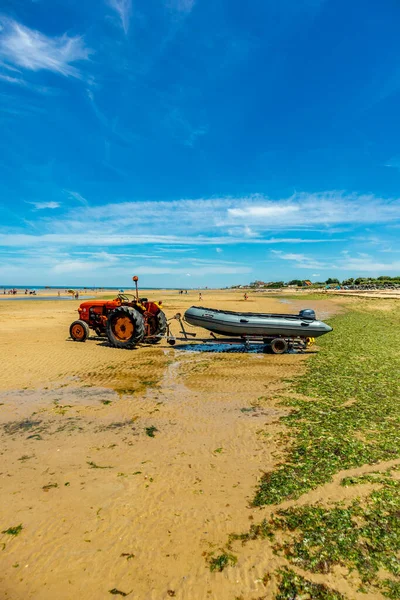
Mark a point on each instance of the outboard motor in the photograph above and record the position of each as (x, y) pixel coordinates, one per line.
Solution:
(307, 313)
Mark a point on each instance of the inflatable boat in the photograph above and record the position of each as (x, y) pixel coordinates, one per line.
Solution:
(264, 325)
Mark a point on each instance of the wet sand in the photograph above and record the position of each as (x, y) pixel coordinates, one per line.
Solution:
(104, 505)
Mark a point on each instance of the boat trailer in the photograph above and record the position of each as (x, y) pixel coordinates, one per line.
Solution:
(274, 344)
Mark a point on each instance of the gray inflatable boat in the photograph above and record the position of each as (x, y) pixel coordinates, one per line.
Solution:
(264, 325)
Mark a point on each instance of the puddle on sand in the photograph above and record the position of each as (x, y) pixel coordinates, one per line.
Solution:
(223, 347)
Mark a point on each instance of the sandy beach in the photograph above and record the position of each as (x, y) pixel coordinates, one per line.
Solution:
(126, 468)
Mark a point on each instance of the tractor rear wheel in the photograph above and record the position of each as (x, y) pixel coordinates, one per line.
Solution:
(79, 331)
(158, 326)
(125, 327)
(162, 323)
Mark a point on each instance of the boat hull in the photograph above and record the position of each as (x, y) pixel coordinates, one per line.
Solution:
(255, 324)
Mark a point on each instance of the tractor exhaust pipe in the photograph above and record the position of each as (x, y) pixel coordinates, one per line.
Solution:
(136, 279)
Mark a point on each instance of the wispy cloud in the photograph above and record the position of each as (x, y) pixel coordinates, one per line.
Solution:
(182, 6)
(300, 260)
(96, 237)
(209, 221)
(181, 129)
(33, 50)
(44, 205)
(14, 80)
(76, 196)
(342, 262)
(123, 8)
(310, 210)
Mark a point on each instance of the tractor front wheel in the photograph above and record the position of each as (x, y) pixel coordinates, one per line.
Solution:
(125, 327)
(79, 331)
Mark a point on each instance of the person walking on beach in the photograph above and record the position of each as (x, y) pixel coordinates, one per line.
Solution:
(200, 296)
(245, 296)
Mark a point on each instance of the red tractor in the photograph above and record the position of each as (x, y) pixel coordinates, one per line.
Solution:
(126, 321)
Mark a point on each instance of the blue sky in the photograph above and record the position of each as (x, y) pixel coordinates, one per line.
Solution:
(198, 142)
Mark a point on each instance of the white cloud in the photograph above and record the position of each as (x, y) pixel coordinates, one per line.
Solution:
(242, 218)
(124, 10)
(43, 205)
(304, 211)
(270, 210)
(33, 50)
(289, 256)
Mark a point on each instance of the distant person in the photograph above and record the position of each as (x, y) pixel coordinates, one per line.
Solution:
(26, 292)
(76, 295)
(59, 293)
(245, 296)
(200, 296)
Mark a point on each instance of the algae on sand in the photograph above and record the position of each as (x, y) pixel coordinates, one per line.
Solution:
(363, 537)
(345, 414)
(359, 362)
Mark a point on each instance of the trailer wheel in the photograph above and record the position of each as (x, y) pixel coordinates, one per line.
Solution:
(279, 346)
(79, 331)
(125, 327)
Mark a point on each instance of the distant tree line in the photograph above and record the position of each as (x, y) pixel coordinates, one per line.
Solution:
(377, 282)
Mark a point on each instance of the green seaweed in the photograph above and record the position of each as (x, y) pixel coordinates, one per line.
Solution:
(218, 563)
(14, 531)
(25, 457)
(93, 465)
(150, 431)
(262, 530)
(353, 415)
(292, 585)
(48, 487)
(364, 536)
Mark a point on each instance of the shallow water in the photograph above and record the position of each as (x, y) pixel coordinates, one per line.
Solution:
(229, 348)
(10, 297)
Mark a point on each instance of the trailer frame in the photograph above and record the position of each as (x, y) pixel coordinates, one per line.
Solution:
(275, 344)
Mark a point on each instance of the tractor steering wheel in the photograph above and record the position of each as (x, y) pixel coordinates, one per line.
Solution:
(126, 297)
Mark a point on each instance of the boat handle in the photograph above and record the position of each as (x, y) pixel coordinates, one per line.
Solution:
(244, 320)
